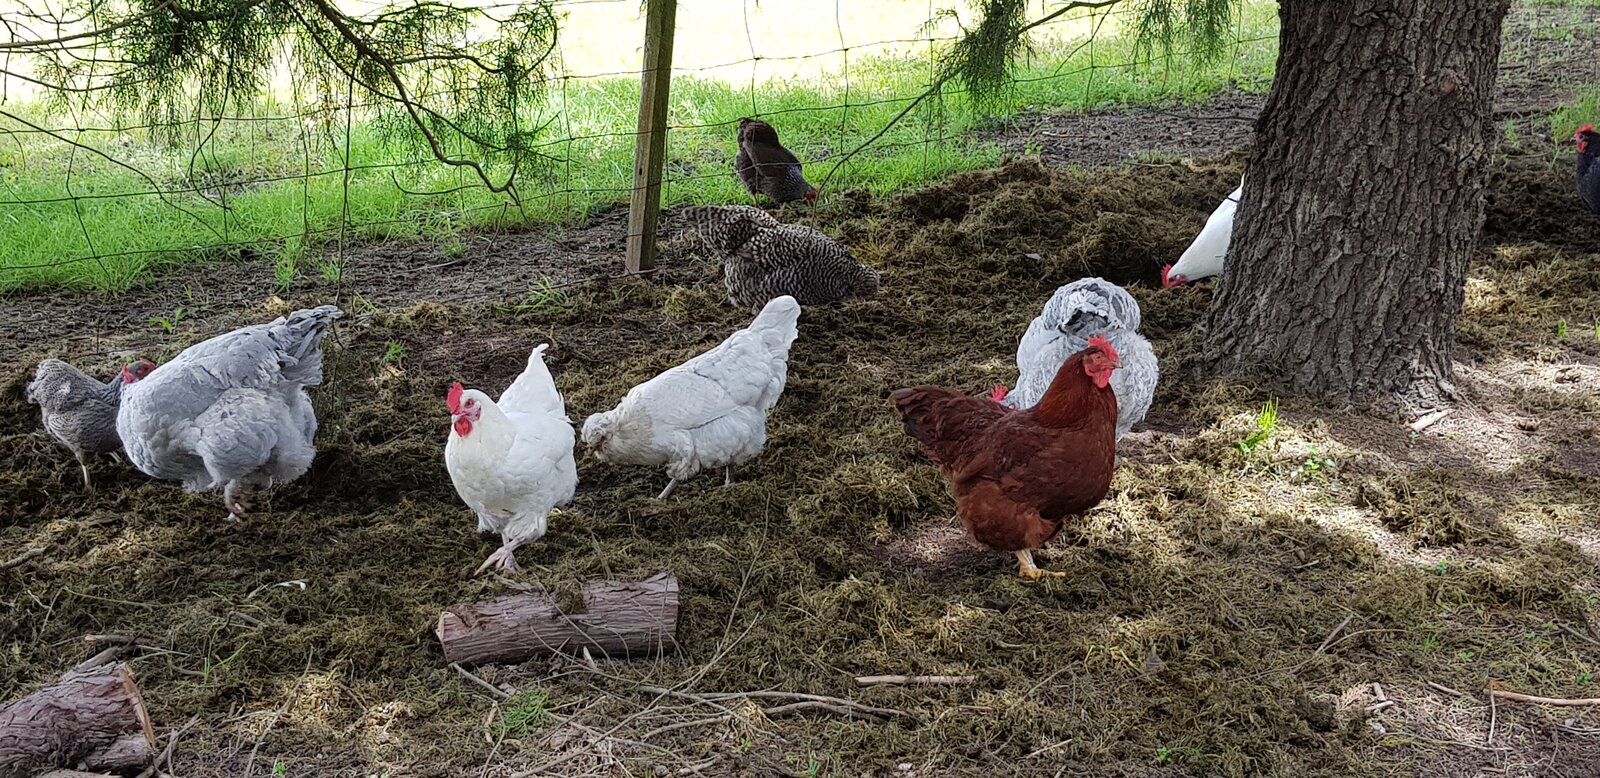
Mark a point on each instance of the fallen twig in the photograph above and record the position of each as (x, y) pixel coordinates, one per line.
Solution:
(1494, 718)
(166, 753)
(105, 657)
(1566, 702)
(1335, 633)
(107, 639)
(915, 680)
(23, 557)
(1447, 690)
(492, 689)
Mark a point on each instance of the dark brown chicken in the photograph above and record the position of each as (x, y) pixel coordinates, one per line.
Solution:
(767, 168)
(80, 411)
(1018, 476)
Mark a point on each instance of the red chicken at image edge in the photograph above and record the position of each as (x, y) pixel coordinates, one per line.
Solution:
(1018, 476)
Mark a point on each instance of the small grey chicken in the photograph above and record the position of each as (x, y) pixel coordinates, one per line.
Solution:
(232, 411)
(766, 167)
(763, 259)
(1077, 311)
(80, 411)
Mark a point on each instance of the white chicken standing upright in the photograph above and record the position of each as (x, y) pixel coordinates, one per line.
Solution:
(710, 411)
(1076, 312)
(1205, 255)
(511, 461)
(231, 411)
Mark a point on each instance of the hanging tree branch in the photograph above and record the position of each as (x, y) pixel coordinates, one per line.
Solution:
(468, 99)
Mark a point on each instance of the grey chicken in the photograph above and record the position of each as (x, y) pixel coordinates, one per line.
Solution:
(80, 411)
(1076, 312)
(763, 259)
(766, 167)
(232, 411)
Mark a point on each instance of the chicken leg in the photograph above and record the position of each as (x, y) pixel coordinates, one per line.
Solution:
(1030, 571)
(667, 492)
(83, 464)
(727, 475)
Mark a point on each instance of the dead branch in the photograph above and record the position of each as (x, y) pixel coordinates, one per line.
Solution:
(915, 680)
(1565, 702)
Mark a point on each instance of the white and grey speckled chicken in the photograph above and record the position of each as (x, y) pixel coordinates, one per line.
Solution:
(710, 411)
(232, 411)
(80, 411)
(763, 258)
(1083, 308)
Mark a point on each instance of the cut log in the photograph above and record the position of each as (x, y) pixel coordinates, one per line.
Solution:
(616, 619)
(92, 719)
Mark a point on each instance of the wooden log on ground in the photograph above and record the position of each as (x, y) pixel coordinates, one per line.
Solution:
(92, 719)
(616, 619)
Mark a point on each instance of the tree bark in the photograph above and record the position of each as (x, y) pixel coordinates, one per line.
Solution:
(1363, 200)
(614, 619)
(93, 718)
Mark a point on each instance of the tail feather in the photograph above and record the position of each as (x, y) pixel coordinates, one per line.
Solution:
(535, 390)
(299, 340)
(947, 423)
(727, 228)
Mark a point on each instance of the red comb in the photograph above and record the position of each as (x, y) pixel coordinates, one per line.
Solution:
(998, 393)
(1165, 271)
(1585, 128)
(1100, 342)
(453, 398)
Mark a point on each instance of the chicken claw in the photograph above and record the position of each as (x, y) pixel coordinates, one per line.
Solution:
(88, 486)
(236, 507)
(504, 558)
(1030, 571)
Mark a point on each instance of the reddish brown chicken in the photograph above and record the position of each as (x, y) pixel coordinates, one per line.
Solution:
(1019, 475)
(766, 167)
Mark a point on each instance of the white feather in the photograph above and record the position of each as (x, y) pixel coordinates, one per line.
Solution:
(1205, 255)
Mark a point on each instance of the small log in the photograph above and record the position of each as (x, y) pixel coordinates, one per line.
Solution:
(617, 619)
(92, 719)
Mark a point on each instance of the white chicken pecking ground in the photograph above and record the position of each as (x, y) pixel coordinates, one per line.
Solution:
(708, 412)
(1076, 312)
(232, 411)
(1205, 256)
(511, 460)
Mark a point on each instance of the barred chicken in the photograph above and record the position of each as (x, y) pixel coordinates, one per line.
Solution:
(232, 411)
(766, 167)
(710, 411)
(79, 411)
(1077, 311)
(763, 258)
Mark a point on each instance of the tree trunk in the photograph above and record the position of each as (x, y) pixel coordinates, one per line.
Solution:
(611, 619)
(93, 717)
(1363, 200)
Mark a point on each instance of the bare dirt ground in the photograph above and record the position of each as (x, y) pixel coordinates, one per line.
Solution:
(1334, 603)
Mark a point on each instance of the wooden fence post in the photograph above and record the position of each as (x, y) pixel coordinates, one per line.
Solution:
(650, 144)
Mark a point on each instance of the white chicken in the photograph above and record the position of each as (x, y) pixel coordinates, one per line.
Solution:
(710, 411)
(1205, 255)
(511, 461)
(1075, 313)
(231, 411)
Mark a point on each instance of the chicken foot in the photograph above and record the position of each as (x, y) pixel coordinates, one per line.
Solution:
(1031, 571)
(230, 498)
(504, 558)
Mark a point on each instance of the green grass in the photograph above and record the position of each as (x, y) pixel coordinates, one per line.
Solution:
(71, 218)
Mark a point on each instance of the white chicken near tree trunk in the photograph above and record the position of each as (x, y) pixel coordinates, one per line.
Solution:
(511, 460)
(1205, 255)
